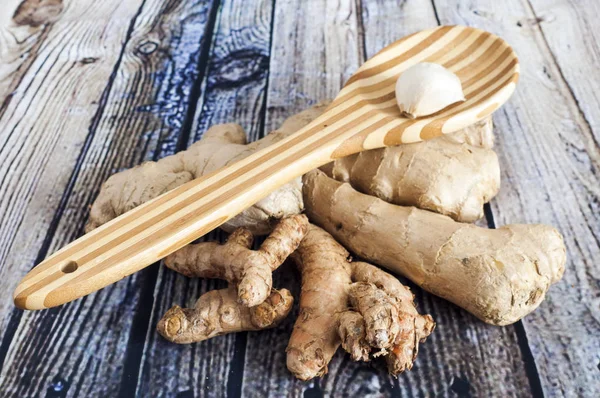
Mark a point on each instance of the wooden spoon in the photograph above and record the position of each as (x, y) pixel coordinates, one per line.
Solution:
(363, 116)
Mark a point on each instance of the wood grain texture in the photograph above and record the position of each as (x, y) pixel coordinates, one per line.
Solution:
(550, 161)
(238, 68)
(233, 91)
(46, 124)
(89, 347)
(24, 24)
(569, 30)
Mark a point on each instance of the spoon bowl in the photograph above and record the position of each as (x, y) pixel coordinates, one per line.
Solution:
(363, 116)
(486, 65)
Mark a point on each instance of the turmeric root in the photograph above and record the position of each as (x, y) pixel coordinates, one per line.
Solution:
(220, 146)
(234, 261)
(217, 313)
(499, 275)
(451, 175)
(353, 304)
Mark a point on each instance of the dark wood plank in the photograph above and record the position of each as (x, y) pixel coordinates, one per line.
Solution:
(315, 50)
(92, 347)
(550, 166)
(234, 91)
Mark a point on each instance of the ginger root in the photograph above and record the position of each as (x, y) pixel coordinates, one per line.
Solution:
(217, 313)
(480, 134)
(249, 304)
(353, 304)
(499, 275)
(220, 146)
(234, 261)
(452, 174)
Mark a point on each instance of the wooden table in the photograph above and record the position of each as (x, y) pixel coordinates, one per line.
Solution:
(91, 87)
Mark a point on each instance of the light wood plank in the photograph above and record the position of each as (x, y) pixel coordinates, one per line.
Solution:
(550, 165)
(569, 29)
(45, 125)
(316, 48)
(233, 91)
(92, 347)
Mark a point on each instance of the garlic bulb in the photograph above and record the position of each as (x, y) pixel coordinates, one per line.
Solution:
(427, 88)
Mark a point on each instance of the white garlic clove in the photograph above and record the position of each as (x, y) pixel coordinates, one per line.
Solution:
(427, 88)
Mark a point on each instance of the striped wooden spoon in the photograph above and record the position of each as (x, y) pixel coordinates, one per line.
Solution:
(363, 116)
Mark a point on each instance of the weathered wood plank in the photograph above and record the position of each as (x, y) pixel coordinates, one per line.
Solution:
(233, 91)
(569, 30)
(45, 126)
(238, 69)
(92, 347)
(24, 24)
(550, 168)
(316, 47)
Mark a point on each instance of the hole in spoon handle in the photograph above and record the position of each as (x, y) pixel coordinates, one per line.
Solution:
(68, 267)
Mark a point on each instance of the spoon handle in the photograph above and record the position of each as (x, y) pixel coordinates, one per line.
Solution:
(159, 227)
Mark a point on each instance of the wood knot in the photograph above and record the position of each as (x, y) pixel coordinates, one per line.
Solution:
(88, 60)
(532, 22)
(239, 67)
(147, 47)
(37, 12)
